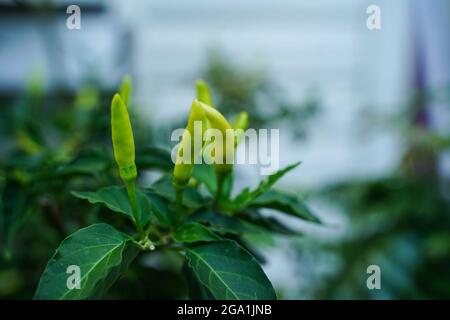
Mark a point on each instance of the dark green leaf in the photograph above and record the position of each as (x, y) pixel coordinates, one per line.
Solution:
(206, 174)
(197, 291)
(161, 210)
(101, 252)
(267, 223)
(284, 202)
(230, 228)
(228, 271)
(247, 245)
(191, 198)
(194, 232)
(221, 223)
(246, 197)
(116, 199)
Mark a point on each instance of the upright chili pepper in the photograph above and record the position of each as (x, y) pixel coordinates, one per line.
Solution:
(182, 171)
(126, 89)
(240, 124)
(123, 144)
(223, 170)
(240, 121)
(209, 118)
(218, 121)
(122, 138)
(203, 93)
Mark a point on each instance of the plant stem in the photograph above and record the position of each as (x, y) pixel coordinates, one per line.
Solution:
(220, 180)
(178, 204)
(152, 230)
(218, 192)
(131, 190)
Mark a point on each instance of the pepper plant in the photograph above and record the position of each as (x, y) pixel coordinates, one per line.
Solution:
(189, 210)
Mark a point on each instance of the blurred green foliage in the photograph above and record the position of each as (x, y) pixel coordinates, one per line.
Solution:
(51, 145)
(400, 222)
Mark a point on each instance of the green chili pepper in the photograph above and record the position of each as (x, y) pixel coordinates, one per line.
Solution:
(239, 124)
(203, 93)
(122, 138)
(210, 118)
(123, 144)
(126, 89)
(182, 171)
(218, 121)
(240, 121)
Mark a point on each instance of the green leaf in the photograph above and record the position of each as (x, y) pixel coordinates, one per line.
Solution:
(193, 232)
(246, 197)
(191, 198)
(197, 291)
(221, 223)
(154, 157)
(206, 174)
(161, 210)
(116, 199)
(101, 252)
(228, 271)
(284, 202)
(267, 223)
(246, 223)
(249, 243)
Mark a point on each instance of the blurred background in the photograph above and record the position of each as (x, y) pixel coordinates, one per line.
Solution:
(366, 111)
